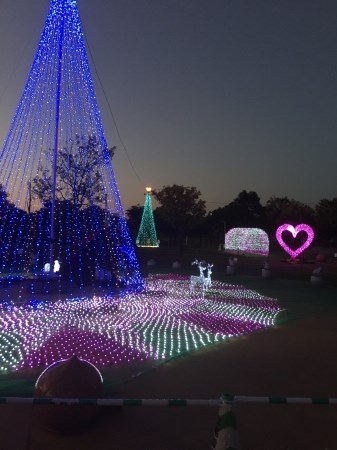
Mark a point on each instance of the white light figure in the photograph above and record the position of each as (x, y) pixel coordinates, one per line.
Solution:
(46, 267)
(316, 278)
(208, 280)
(56, 266)
(232, 264)
(266, 270)
(201, 280)
(317, 271)
(266, 265)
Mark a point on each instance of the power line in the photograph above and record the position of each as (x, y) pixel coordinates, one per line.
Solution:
(112, 114)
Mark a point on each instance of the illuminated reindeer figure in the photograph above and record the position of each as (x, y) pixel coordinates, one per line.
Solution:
(207, 280)
(200, 279)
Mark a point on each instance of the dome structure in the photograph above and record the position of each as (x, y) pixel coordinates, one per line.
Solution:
(71, 378)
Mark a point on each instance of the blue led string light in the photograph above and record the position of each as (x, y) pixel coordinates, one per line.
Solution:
(58, 123)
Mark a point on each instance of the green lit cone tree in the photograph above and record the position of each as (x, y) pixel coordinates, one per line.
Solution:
(147, 236)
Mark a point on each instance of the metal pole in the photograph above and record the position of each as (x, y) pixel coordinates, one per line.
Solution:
(57, 118)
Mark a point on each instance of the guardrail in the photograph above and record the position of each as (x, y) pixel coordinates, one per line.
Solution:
(225, 433)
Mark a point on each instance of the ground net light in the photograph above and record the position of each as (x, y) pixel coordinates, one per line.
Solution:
(59, 199)
(161, 322)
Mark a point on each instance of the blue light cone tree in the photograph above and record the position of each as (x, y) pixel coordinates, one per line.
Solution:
(58, 195)
(147, 236)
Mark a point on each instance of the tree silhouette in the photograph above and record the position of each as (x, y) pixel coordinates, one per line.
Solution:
(181, 207)
(78, 174)
(244, 211)
(134, 217)
(281, 210)
(326, 220)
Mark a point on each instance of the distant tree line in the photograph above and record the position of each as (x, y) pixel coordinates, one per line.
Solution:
(181, 217)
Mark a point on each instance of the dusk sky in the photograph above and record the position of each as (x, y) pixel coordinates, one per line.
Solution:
(223, 95)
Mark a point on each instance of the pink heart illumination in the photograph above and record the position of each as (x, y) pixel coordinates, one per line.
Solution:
(294, 232)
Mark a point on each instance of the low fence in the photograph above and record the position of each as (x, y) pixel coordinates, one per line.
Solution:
(230, 399)
(225, 433)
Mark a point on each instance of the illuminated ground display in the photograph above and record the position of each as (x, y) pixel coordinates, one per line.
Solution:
(164, 321)
(294, 232)
(251, 241)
